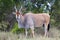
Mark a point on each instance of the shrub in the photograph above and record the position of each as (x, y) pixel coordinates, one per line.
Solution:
(17, 30)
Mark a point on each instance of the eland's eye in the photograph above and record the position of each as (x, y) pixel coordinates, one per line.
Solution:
(18, 16)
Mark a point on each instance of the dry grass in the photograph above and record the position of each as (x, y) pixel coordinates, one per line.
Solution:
(53, 35)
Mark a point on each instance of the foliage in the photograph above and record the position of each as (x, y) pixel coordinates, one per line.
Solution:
(56, 12)
(6, 8)
(3, 26)
(16, 29)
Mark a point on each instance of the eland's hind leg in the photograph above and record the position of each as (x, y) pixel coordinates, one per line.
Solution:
(47, 27)
(46, 32)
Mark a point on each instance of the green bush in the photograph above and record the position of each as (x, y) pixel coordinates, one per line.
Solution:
(15, 29)
(4, 26)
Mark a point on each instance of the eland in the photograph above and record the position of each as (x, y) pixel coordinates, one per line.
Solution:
(31, 20)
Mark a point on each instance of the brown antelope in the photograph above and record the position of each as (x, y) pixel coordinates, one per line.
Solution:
(31, 20)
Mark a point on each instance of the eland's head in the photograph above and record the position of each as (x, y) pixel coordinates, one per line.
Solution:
(18, 13)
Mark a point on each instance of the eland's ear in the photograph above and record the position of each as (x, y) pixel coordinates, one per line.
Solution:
(14, 13)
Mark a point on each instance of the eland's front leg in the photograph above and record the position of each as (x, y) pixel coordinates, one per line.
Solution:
(26, 32)
(32, 30)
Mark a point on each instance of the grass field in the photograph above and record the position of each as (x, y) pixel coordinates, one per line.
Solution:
(54, 34)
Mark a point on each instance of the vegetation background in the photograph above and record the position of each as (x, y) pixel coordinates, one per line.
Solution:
(8, 23)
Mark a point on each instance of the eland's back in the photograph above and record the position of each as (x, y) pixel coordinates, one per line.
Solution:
(38, 19)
